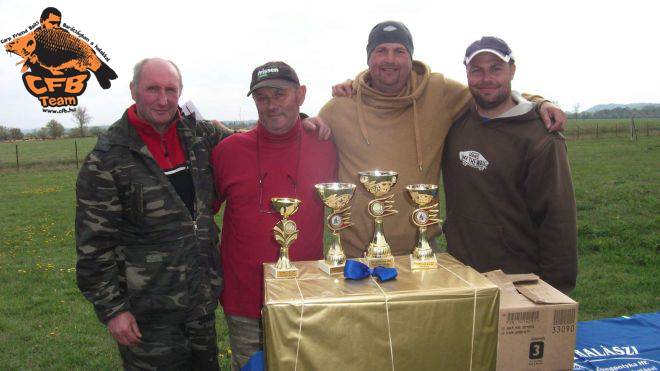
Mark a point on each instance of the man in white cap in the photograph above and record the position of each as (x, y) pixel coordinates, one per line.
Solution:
(508, 188)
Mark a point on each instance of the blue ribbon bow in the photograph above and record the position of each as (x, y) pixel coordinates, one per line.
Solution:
(356, 270)
(256, 362)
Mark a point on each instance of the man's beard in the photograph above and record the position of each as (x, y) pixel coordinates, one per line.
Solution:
(492, 102)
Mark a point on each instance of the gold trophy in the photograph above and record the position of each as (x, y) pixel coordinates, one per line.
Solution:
(285, 233)
(422, 256)
(336, 196)
(378, 183)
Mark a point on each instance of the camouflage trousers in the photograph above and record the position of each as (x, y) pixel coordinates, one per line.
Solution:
(245, 339)
(191, 345)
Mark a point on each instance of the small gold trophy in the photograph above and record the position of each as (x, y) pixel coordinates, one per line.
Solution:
(378, 183)
(422, 256)
(285, 233)
(336, 196)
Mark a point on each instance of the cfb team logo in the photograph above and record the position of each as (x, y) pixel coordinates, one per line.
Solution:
(59, 62)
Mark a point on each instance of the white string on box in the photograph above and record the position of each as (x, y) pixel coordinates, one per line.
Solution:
(387, 312)
(302, 312)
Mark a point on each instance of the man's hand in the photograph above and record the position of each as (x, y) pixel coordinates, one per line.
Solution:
(124, 329)
(344, 89)
(553, 117)
(315, 123)
(219, 125)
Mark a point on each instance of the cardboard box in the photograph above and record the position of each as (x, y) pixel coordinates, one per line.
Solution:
(440, 319)
(537, 324)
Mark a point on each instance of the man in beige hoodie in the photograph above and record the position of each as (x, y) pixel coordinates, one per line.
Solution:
(397, 120)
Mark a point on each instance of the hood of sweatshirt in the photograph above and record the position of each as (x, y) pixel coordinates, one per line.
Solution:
(368, 96)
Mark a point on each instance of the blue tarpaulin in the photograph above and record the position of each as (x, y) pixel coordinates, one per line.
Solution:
(619, 344)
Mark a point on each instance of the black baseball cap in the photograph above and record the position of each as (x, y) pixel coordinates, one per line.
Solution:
(489, 44)
(390, 32)
(273, 75)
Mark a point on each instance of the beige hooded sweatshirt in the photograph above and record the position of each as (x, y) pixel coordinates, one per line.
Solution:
(403, 133)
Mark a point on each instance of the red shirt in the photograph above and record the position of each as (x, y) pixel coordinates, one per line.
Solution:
(168, 152)
(166, 148)
(247, 234)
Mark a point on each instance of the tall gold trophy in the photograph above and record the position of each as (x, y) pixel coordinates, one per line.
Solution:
(378, 183)
(336, 196)
(422, 256)
(285, 233)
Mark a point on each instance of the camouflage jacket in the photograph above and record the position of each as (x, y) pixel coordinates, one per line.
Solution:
(139, 249)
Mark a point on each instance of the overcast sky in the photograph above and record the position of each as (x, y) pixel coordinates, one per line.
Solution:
(572, 52)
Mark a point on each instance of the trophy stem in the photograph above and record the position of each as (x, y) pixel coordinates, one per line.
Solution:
(422, 256)
(283, 262)
(335, 255)
(423, 249)
(379, 248)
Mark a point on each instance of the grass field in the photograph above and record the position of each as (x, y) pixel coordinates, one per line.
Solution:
(45, 324)
(44, 154)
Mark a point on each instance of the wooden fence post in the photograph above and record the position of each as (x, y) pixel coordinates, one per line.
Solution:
(17, 166)
(596, 131)
(75, 144)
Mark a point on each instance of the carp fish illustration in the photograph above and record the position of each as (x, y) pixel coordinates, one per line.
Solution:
(58, 51)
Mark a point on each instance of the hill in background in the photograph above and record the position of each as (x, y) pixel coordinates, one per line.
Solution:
(619, 111)
(610, 106)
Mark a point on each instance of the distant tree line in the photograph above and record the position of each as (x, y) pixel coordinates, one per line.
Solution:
(620, 113)
(54, 129)
(10, 133)
(248, 124)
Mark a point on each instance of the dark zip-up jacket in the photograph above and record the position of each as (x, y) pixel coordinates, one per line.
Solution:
(509, 195)
(139, 248)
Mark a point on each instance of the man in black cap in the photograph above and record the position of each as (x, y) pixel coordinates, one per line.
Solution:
(508, 188)
(276, 159)
(397, 120)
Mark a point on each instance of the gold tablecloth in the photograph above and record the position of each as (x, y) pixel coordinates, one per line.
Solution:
(444, 319)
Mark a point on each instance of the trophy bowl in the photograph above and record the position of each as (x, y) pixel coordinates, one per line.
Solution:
(335, 195)
(378, 182)
(422, 194)
(285, 206)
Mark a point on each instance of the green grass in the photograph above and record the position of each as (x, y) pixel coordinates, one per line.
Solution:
(617, 188)
(44, 154)
(46, 324)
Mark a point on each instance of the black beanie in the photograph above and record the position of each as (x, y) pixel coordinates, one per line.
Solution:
(390, 32)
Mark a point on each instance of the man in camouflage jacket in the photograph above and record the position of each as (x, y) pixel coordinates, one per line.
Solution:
(147, 247)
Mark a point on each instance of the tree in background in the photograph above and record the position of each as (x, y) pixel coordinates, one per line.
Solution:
(576, 110)
(4, 133)
(15, 134)
(96, 131)
(54, 129)
(82, 118)
(41, 133)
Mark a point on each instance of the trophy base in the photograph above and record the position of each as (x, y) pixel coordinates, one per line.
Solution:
(282, 273)
(423, 264)
(387, 262)
(331, 269)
